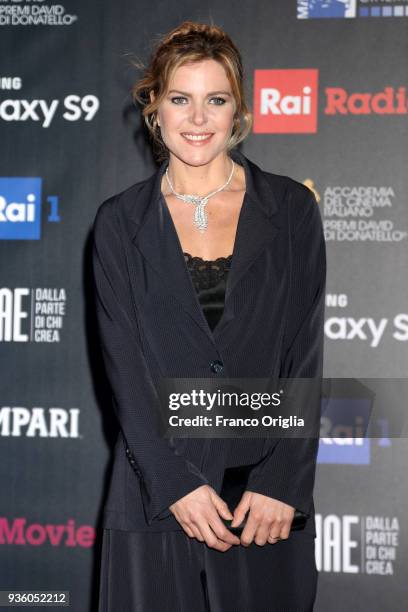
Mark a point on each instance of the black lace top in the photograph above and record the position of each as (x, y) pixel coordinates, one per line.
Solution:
(209, 279)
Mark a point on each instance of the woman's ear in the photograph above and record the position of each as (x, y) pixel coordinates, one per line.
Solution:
(152, 99)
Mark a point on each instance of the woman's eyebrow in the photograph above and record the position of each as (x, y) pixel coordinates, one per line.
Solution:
(210, 93)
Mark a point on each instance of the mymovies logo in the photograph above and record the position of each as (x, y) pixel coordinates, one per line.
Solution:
(39, 422)
(20, 208)
(19, 532)
(286, 101)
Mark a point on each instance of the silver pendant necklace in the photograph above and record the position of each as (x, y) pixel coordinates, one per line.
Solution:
(200, 214)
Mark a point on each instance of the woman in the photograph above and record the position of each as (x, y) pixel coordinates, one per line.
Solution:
(211, 267)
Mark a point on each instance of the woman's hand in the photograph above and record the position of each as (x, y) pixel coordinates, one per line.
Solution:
(269, 519)
(198, 514)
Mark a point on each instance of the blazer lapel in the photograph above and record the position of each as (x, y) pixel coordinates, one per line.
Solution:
(156, 238)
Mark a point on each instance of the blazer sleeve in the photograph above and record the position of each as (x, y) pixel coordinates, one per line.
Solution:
(288, 472)
(164, 476)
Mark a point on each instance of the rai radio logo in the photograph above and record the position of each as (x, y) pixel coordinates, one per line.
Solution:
(285, 101)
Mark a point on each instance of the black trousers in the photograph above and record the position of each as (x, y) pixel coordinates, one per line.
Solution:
(170, 572)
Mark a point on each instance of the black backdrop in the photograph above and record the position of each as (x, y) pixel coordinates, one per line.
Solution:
(70, 137)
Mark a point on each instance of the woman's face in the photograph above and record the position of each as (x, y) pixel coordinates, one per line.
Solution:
(196, 115)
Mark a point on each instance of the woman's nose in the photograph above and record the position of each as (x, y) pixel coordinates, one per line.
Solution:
(199, 115)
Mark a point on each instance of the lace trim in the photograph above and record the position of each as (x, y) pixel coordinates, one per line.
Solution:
(207, 273)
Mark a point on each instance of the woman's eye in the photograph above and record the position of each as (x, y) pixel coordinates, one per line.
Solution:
(220, 101)
(178, 98)
(183, 100)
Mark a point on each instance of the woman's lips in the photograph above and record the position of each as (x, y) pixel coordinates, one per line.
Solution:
(197, 140)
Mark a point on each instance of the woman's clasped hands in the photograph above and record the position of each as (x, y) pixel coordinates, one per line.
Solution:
(199, 514)
(269, 520)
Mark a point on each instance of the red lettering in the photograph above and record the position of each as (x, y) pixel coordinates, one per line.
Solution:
(336, 101)
(17, 532)
(386, 102)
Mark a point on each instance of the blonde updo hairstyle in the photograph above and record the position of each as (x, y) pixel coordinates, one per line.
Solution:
(191, 42)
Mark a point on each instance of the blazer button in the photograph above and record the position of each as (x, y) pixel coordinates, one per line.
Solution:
(217, 366)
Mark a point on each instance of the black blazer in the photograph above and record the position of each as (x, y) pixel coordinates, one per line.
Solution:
(151, 325)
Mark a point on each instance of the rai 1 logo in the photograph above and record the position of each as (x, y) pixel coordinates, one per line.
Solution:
(286, 101)
(345, 427)
(20, 208)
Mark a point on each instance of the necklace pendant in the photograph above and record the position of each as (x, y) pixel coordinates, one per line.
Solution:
(200, 218)
(200, 215)
(192, 199)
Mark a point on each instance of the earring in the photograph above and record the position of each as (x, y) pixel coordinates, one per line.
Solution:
(154, 122)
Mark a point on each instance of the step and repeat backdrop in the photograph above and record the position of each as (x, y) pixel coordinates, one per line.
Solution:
(327, 83)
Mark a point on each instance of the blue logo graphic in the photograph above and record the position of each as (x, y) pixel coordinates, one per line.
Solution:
(346, 451)
(343, 426)
(332, 9)
(20, 208)
(320, 9)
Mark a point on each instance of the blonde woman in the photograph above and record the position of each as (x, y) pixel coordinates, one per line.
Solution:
(209, 268)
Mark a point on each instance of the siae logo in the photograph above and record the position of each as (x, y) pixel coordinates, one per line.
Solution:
(20, 208)
(353, 544)
(285, 101)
